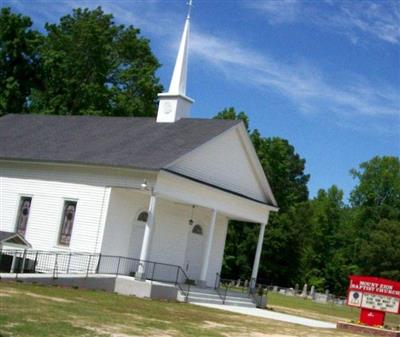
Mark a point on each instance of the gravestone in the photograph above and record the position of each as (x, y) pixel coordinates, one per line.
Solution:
(275, 289)
(321, 298)
(246, 283)
(312, 292)
(304, 292)
(296, 288)
(238, 283)
(327, 294)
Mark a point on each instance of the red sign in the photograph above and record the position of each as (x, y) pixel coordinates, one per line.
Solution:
(375, 296)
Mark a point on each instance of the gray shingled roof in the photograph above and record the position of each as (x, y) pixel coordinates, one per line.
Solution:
(13, 238)
(5, 235)
(113, 141)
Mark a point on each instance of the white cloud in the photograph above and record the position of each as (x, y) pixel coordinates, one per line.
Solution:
(279, 11)
(353, 19)
(303, 84)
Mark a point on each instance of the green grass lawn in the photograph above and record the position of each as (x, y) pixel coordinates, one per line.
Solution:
(35, 310)
(327, 312)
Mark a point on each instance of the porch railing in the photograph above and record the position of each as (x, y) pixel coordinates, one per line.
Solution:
(222, 287)
(56, 263)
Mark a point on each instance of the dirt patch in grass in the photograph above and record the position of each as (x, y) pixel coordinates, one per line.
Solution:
(9, 291)
(111, 330)
(122, 330)
(212, 325)
(141, 318)
(49, 298)
(160, 333)
(257, 334)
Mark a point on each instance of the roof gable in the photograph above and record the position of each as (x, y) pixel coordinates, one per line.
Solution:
(228, 162)
(140, 143)
(13, 239)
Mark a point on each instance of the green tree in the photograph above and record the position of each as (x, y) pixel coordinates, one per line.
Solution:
(377, 194)
(376, 217)
(286, 231)
(231, 113)
(380, 255)
(93, 66)
(19, 61)
(284, 169)
(319, 262)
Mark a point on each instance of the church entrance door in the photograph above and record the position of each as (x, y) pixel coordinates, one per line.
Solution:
(194, 252)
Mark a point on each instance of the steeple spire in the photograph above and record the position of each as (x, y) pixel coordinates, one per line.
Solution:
(174, 104)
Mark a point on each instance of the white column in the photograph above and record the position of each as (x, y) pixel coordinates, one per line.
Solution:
(256, 263)
(144, 253)
(207, 253)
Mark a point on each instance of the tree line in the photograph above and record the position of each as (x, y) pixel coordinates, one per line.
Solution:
(87, 64)
(320, 240)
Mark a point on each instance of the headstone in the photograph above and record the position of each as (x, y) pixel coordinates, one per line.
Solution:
(246, 283)
(328, 296)
(296, 288)
(238, 283)
(304, 292)
(275, 289)
(290, 292)
(322, 298)
(312, 292)
(232, 284)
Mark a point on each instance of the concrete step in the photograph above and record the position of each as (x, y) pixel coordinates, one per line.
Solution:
(219, 301)
(212, 291)
(209, 295)
(216, 296)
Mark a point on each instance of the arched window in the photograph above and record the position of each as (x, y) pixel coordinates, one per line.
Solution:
(143, 216)
(197, 229)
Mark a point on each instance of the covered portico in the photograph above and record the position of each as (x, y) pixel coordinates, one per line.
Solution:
(217, 202)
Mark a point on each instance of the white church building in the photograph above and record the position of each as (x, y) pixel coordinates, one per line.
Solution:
(161, 189)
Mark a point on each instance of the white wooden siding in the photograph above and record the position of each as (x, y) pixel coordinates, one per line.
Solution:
(121, 218)
(225, 163)
(77, 174)
(46, 211)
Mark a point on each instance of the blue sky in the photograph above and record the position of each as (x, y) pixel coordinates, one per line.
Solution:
(323, 74)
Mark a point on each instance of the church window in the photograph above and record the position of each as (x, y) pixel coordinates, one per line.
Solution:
(143, 216)
(67, 222)
(23, 215)
(197, 229)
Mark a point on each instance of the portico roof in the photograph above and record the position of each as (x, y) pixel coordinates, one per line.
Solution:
(13, 239)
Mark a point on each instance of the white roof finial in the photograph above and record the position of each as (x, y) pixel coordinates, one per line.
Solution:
(190, 5)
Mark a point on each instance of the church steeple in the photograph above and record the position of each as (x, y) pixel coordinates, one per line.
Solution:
(174, 104)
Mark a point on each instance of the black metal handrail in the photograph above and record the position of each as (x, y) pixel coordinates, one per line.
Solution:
(224, 284)
(222, 287)
(217, 284)
(58, 262)
(181, 284)
(253, 290)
